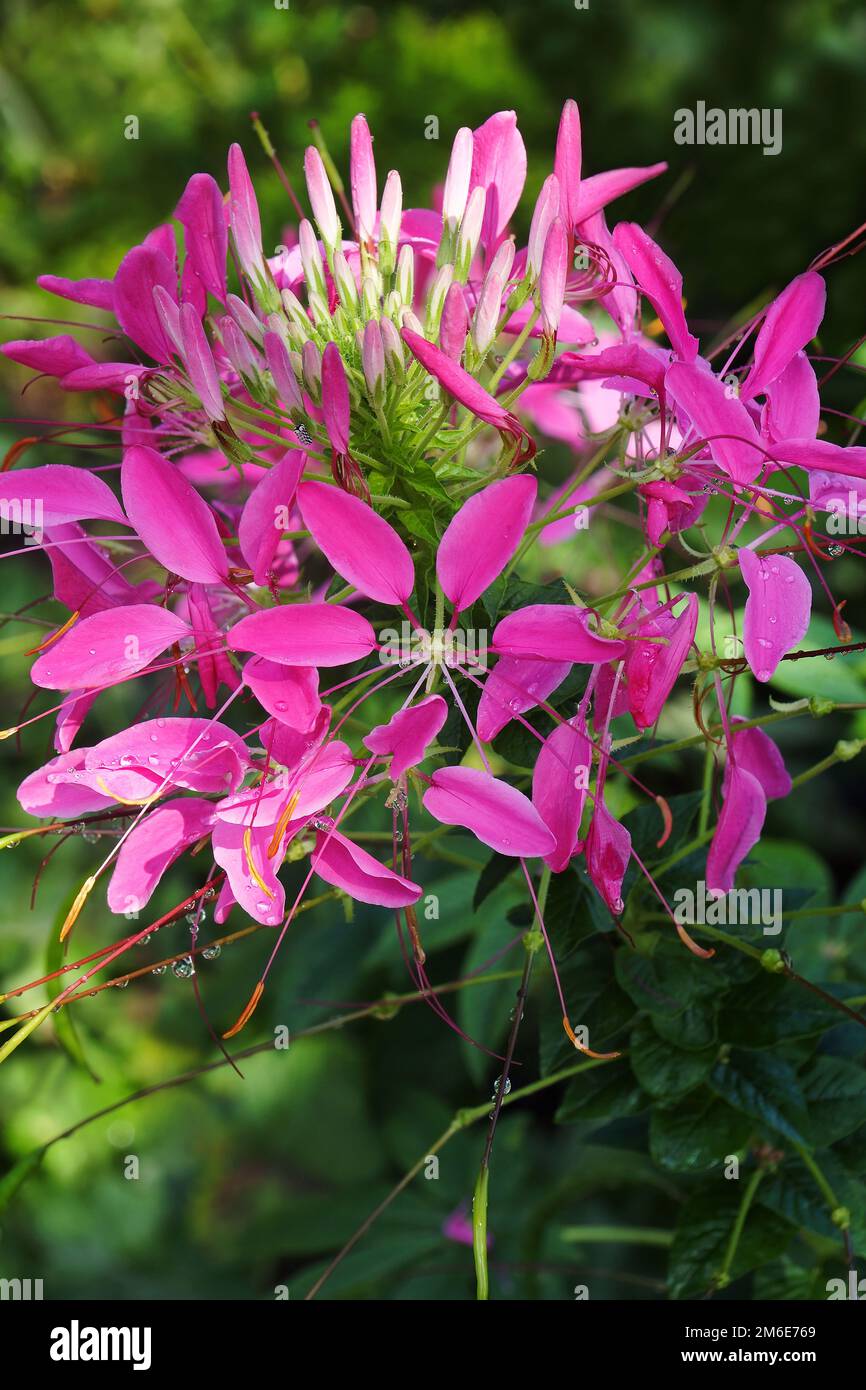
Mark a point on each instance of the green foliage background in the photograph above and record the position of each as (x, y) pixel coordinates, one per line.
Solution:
(248, 1185)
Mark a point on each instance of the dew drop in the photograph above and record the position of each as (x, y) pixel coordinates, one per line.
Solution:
(183, 969)
(212, 952)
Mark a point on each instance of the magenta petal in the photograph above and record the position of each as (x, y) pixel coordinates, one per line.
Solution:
(499, 167)
(600, 189)
(660, 281)
(497, 814)
(651, 668)
(465, 389)
(201, 755)
(777, 609)
(97, 294)
(821, 454)
(482, 537)
(407, 734)
(359, 543)
(719, 418)
(335, 399)
(138, 274)
(56, 790)
(515, 685)
(755, 752)
(107, 646)
(623, 359)
(555, 632)
(266, 513)
(70, 717)
(289, 693)
(58, 493)
(739, 828)
(152, 847)
(791, 322)
(54, 356)
(559, 786)
(239, 851)
(344, 864)
(567, 164)
(608, 849)
(326, 772)
(202, 215)
(305, 634)
(175, 523)
(793, 408)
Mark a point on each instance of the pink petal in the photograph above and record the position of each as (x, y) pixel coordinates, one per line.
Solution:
(559, 786)
(600, 189)
(98, 294)
(56, 790)
(465, 389)
(777, 609)
(107, 646)
(175, 523)
(212, 663)
(240, 850)
(305, 634)
(266, 512)
(755, 752)
(201, 755)
(152, 847)
(608, 849)
(791, 322)
(651, 668)
(70, 717)
(819, 453)
(359, 543)
(660, 281)
(515, 685)
(793, 408)
(289, 693)
(326, 772)
(344, 864)
(555, 632)
(624, 359)
(335, 399)
(54, 356)
(199, 362)
(58, 493)
(497, 814)
(137, 275)
(482, 537)
(407, 734)
(739, 827)
(719, 418)
(499, 166)
(201, 212)
(567, 164)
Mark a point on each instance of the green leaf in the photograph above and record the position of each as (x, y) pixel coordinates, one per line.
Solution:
(835, 1091)
(698, 1134)
(702, 1236)
(692, 1030)
(65, 1027)
(771, 1010)
(495, 871)
(594, 1000)
(666, 978)
(766, 1088)
(607, 1093)
(783, 1280)
(18, 1175)
(666, 1072)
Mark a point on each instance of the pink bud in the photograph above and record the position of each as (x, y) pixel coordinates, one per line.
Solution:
(311, 367)
(554, 266)
(391, 211)
(311, 259)
(200, 364)
(237, 347)
(245, 319)
(470, 232)
(546, 208)
(363, 178)
(335, 398)
(321, 197)
(373, 358)
(456, 189)
(280, 367)
(169, 315)
(503, 260)
(244, 216)
(394, 356)
(455, 322)
(487, 312)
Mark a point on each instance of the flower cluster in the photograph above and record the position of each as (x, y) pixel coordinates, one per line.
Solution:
(343, 434)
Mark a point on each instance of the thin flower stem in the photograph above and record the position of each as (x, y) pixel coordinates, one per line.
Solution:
(723, 1276)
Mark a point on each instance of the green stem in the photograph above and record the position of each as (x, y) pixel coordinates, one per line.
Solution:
(479, 1235)
(617, 1235)
(723, 1276)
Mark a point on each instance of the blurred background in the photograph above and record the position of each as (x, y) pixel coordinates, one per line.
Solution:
(243, 1184)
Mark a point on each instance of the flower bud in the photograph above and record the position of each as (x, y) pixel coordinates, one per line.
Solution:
(390, 216)
(455, 323)
(373, 361)
(469, 234)
(395, 360)
(246, 320)
(296, 313)
(554, 267)
(405, 284)
(321, 198)
(311, 367)
(369, 298)
(311, 259)
(436, 301)
(487, 312)
(280, 367)
(546, 208)
(347, 289)
(238, 348)
(363, 179)
(199, 363)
